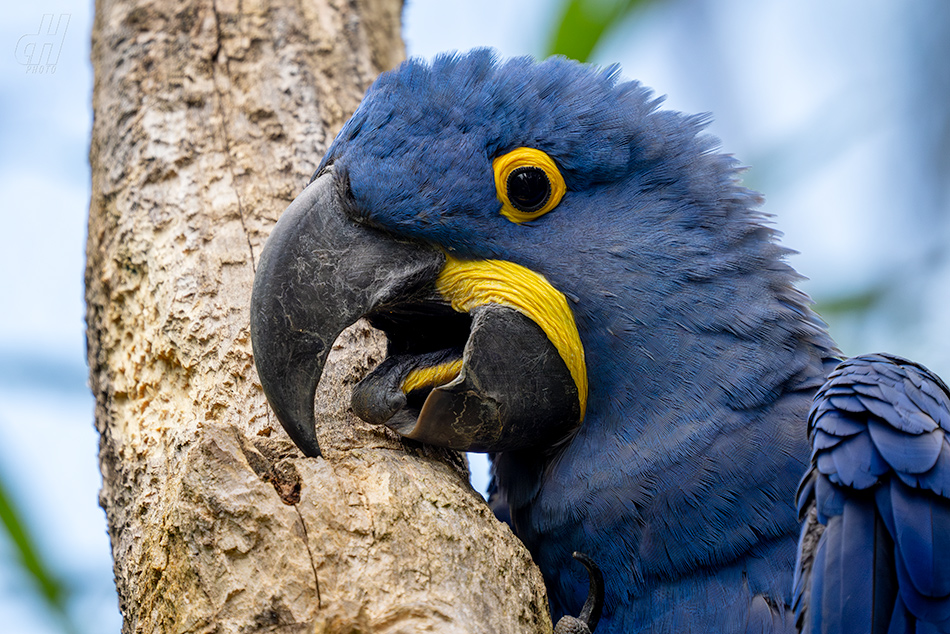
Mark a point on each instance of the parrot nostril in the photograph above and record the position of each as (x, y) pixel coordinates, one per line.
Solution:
(321, 171)
(348, 204)
(346, 187)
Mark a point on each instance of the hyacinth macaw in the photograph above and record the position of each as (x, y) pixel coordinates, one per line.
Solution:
(574, 281)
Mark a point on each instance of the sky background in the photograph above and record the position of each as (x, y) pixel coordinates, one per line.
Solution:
(839, 108)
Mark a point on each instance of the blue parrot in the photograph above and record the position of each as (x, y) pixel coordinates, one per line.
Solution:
(574, 281)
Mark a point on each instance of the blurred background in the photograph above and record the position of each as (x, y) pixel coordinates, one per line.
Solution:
(841, 110)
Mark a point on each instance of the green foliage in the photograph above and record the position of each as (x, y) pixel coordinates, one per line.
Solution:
(584, 23)
(53, 592)
(860, 301)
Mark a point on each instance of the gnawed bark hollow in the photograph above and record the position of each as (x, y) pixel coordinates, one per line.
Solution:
(209, 118)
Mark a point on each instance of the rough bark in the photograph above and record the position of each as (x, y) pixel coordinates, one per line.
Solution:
(210, 116)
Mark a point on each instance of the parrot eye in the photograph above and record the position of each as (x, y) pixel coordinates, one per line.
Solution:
(528, 184)
(528, 189)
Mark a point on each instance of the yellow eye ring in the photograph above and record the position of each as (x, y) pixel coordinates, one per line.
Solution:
(527, 183)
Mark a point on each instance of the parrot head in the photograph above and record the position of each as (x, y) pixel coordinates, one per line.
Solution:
(522, 232)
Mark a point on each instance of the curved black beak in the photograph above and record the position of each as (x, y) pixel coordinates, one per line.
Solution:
(319, 273)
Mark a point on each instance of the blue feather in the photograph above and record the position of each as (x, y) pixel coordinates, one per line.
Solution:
(837, 423)
(906, 453)
(882, 496)
(857, 554)
(938, 478)
(852, 462)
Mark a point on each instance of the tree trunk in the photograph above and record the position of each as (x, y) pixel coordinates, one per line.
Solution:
(210, 116)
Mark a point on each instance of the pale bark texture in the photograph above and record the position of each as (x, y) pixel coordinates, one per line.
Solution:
(210, 116)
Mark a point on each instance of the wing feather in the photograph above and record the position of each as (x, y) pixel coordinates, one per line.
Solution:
(875, 549)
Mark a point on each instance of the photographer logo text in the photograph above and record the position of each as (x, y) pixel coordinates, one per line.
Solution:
(39, 51)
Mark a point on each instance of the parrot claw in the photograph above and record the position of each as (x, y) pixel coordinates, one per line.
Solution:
(571, 625)
(586, 621)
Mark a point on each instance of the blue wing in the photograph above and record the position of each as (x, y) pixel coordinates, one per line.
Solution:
(874, 553)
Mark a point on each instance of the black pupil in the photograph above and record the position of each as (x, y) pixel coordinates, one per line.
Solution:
(528, 188)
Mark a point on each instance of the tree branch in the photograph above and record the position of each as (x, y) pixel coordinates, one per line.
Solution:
(210, 116)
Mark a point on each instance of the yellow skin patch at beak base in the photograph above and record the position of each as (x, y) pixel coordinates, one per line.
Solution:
(431, 377)
(469, 284)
